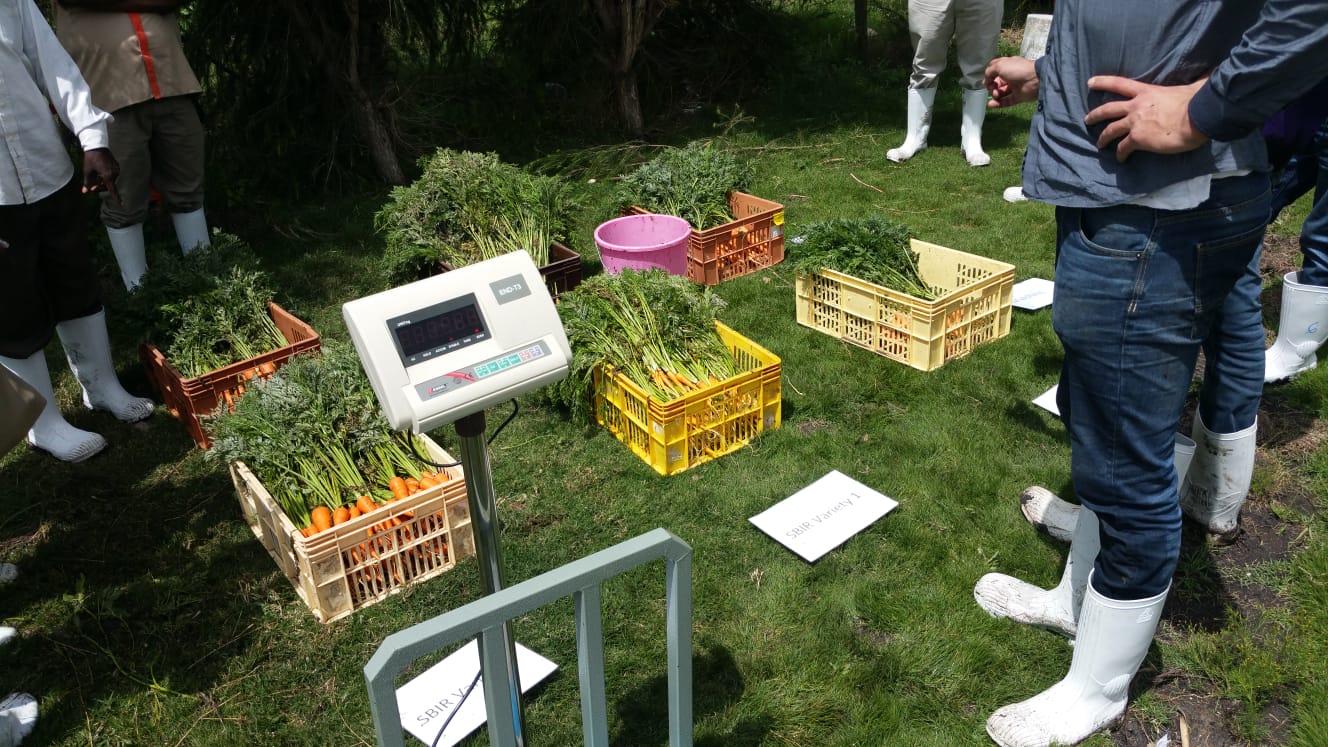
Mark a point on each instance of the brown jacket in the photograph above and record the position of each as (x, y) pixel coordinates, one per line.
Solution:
(127, 58)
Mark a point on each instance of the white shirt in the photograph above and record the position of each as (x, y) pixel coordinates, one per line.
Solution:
(35, 70)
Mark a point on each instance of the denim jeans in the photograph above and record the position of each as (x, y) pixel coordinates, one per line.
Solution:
(1308, 170)
(1138, 290)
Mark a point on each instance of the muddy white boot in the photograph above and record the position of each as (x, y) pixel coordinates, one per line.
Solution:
(970, 129)
(18, 716)
(920, 101)
(88, 350)
(1051, 514)
(1114, 636)
(1219, 479)
(52, 432)
(1302, 329)
(1055, 609)
(191, 230)
(130, 254)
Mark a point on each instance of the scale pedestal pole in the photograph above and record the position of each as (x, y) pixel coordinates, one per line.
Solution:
(502, 687)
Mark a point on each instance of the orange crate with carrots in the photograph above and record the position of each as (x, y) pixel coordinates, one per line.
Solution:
(187, 399)
(366, 559)
(753, 240)
(974, 307)
(697, 427)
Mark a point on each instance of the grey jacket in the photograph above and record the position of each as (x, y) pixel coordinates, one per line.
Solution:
(1262, 55)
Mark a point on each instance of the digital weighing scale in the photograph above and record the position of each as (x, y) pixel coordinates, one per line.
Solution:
(443, 350)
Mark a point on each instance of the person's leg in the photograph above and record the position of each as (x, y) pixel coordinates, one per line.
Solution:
(977, 27)
(31, 270)
(177, 168)
(129, 135)
(1225, 424)
(69, 282)
(1303, 325)
(1137, 290)
(931, 25)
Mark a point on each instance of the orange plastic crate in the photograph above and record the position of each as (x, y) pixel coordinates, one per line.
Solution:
(708, 423)
(345, 568)
(753, 240)
(186, 399)
(973, 308)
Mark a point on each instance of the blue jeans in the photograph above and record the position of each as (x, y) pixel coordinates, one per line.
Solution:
(1138, 290)
(1308, 170)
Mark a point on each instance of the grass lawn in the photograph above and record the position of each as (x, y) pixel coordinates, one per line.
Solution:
(149, 614)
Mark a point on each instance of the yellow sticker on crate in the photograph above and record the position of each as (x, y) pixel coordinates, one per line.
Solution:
(778, 218)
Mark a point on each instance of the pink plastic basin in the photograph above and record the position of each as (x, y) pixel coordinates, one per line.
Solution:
(644, 242)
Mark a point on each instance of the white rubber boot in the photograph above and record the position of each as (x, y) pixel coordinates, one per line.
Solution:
(1114, 636)
(191, 230)
(970, 129)
(130, 254)
(52, 432)
(88, 350)
(920, 101)
(1053, 515)
(1055, 609)
(1219, 479)
(18, 716)
(1014, 194)
(1302, 329)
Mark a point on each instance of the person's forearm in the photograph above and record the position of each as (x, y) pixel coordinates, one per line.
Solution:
(124, 6)
(1281, 57)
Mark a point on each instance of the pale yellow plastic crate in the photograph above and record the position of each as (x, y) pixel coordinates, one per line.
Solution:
(346, 568)
(708, 423)
(974, 308)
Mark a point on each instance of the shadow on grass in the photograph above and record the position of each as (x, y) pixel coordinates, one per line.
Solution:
(716, 685)
(133, 591)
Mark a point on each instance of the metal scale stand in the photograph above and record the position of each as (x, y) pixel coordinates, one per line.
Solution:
(442, 350)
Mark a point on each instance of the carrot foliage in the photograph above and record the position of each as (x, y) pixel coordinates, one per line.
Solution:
(656, 329)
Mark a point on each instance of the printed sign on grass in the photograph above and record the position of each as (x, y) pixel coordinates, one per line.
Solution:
(426, 702)
(823, 515)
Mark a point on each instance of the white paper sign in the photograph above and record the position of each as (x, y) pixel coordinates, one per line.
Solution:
(1047, 401)
(1032, 294)
(823, 515)
(426, 701)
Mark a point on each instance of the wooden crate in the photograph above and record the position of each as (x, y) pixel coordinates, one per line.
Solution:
(187, 399)
(974, 308)
(346, 568)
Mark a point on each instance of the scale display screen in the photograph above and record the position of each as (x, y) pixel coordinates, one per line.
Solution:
(438, 329)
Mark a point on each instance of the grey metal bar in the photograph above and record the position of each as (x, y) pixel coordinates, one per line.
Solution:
(502, 686)
(678, 606)
(590, 667)
(405, 646)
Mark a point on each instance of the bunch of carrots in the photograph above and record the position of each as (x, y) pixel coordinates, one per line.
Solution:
(322, 517)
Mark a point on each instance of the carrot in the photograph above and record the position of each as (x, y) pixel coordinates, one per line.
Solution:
(412, 485)
(322, 517)
(354, 511)
(309, 530)
(398, 487)
(365, 504)
(340, 516)
(428, 482)
(267, 369)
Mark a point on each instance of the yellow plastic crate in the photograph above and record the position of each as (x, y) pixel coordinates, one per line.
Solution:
(973, 308)
(708, 423)
(351, 566)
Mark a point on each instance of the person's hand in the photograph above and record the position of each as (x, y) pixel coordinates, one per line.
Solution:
(100, 170)
(1010, 81)
(1151, 118)
(3, 245)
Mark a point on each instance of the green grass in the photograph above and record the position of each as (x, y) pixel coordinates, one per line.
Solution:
(150, 614)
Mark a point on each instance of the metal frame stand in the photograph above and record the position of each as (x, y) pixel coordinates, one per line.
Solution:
(502, 684)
